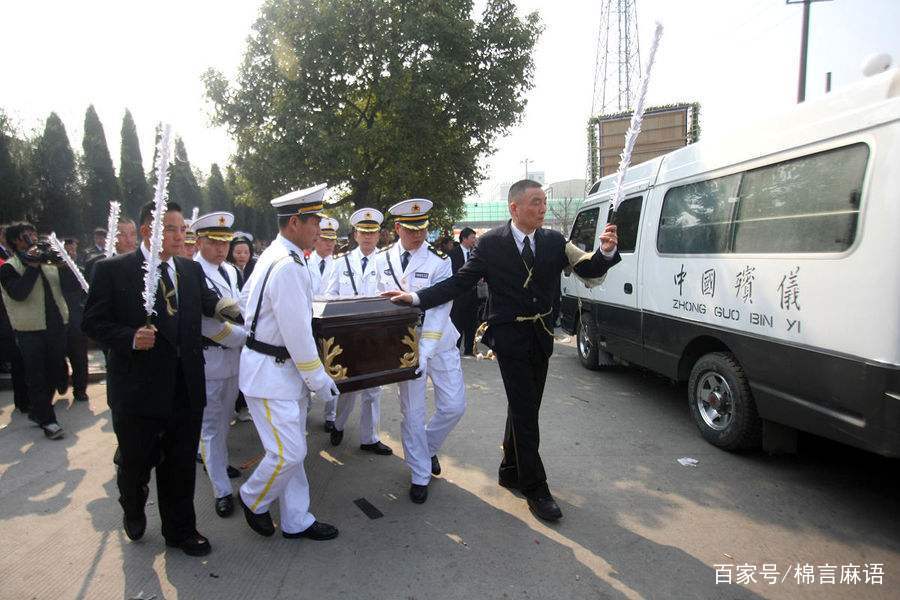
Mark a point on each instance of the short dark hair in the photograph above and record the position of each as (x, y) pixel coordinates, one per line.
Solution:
(516, 189)
(147, 210)
(284, 220)
(15, 230)
(465, 233)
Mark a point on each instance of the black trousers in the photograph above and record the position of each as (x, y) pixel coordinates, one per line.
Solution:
(524, 373)
(464, 318)
(10, 353)
(76, 351)
(43, 357)
(170, 445)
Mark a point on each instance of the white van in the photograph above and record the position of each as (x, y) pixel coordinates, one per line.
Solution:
(763, 268)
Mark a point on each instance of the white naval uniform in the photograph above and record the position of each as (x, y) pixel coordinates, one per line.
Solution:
(320, 281)
(340, 286)
(222, 365)
(437, 344)
(278, 393)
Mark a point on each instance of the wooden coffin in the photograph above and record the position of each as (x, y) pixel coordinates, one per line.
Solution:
(366, 342)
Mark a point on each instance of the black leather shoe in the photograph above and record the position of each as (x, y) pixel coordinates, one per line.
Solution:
(81, 397)
(329, 426)
(225, 506)
(261, 524)
(317, 531)
(418, 493)
(193, 545)
(510, 485)
(545, 508)
(337, 437)
(435, 465)
(134, 526)
(233, 472)
(377, 448)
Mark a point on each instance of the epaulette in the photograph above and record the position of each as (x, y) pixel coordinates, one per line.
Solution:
(439, 253)
(385, 249)
(298, 259)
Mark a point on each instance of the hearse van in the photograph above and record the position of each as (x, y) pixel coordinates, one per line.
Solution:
(763, 269)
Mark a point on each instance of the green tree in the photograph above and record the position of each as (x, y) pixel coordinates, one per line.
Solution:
(390, 98)
(134, 188)
(56, 181)
(13, 174)
(182, 185)
(100, 183)
(216, 194)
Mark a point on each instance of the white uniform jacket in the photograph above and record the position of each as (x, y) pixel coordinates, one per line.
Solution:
(221, 363)
(340, 284)
(425, 268)
(320, 279)
(285, 319)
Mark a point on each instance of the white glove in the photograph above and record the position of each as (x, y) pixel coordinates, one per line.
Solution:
(328, 392)
(423, 365)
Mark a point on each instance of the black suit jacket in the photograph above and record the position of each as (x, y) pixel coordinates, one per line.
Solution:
(469, 299)
(497, 259)
(142, 383)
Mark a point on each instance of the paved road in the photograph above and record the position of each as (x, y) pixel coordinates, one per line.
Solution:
(637, 524)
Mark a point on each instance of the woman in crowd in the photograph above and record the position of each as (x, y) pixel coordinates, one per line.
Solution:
(240, 254)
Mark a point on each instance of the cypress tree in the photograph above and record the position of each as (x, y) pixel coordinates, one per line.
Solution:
(134, 188)
(182, 185)
(57, 181)
(217, 196)
(100, 183)
(12, 183)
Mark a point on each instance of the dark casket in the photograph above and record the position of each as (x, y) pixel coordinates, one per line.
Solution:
(366, 342)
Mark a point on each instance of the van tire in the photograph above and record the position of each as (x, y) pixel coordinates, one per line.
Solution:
(718, 381)
(585, 343)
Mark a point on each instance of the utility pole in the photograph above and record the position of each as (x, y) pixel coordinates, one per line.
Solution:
(804, 43)
(526, 162)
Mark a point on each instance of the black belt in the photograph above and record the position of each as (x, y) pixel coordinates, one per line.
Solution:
(280, 353)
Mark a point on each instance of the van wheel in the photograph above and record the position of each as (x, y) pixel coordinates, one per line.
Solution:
(585, 343)
(721, 403)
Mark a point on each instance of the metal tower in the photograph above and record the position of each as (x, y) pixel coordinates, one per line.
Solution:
(617, 70)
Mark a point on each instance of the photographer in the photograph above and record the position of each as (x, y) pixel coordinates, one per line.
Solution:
(37, 310)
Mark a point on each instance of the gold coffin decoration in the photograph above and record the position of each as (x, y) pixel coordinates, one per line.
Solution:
(336, 371)
(366, 342)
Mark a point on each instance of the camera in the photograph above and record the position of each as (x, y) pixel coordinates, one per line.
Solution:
(42, 252)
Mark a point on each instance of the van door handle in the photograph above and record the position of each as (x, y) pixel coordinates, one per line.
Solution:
(628, 288)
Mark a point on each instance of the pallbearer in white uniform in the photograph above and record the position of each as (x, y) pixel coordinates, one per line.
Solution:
(321, 265)
(222, 343)
(411, 264)
(280, 367)
(356, 275)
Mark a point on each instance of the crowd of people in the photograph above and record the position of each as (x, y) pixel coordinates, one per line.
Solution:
(233, 331)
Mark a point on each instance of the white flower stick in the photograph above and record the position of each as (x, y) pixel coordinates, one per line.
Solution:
(111, 226)
(151, 264)
(635, 128)
(61, 250)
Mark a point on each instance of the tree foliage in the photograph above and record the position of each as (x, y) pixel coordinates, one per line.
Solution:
(389, 99)
(216, 194)
(182, 185)
(100, 185)
(56, 181)
(135, 191)
(15, 157)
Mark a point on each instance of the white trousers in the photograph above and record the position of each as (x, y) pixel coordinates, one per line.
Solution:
(220, 397)
(330, 410)
(369, 413)
(422, 440)
(280, 475)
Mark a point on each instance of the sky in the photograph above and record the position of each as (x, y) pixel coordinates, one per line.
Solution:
(738, 58)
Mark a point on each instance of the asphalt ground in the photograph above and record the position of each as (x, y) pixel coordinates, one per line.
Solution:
(637, 524)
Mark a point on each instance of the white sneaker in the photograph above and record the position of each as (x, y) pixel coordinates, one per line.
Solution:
(53, 431)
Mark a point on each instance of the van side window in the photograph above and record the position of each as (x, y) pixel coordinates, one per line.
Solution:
(628, 215)
(696, 218)
(585, 229)
(809, 204)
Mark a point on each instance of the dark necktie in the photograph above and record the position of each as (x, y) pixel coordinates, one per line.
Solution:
(527, 253)
(404, 260)
(365, 262)
(321, 267)
(224, 275)
(169, 296)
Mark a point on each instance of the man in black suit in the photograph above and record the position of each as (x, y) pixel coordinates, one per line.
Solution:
(522, 263)
(155, 377)
(465, 307)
